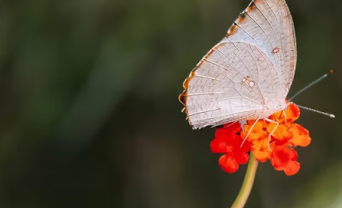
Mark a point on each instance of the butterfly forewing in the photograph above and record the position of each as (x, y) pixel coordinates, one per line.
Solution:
(268, 24)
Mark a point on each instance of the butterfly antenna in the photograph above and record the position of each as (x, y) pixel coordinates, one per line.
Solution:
(316, 111)
(309, 85)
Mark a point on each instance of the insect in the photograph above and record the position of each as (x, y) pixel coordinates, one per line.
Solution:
(248, 74)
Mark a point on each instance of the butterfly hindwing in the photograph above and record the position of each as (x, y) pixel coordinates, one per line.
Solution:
(252, 66)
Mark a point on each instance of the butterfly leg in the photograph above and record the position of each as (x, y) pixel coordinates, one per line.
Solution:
(284, 115)
(249, 131)
(269, 136)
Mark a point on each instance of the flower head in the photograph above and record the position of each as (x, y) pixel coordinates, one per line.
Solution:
(271, 139)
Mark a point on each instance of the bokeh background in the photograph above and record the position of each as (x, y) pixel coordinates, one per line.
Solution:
(89, 115)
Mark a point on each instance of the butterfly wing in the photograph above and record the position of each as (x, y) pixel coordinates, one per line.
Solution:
(268, 24)
(251, 67)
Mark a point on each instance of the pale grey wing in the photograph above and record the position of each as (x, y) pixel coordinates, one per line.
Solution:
(268, 25)
(225, 85)
(251, 69)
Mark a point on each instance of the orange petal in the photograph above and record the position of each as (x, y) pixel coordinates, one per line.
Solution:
(259, 126)
(281, 132)
(261, 151)
(300, 136)
(258, 132)
(278, 117)
(250, 122)
(291, 113)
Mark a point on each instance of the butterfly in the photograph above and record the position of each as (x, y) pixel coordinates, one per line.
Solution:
(248, 74)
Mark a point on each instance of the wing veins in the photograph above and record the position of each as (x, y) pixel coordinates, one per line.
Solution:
(248, 70)
(240, 73)
(207, 77)
(203, 112)
(253, 58)
(224, 99)
(236, 113)
(280, 39)
(268, 37)
(269, 69)
(271, 10)
(214, 63)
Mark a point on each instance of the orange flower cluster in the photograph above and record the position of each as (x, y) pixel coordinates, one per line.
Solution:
(278, 147)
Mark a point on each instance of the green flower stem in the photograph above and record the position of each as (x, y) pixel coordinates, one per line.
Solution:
(247, 185)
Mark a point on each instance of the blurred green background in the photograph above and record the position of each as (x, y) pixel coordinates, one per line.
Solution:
(89, 114)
